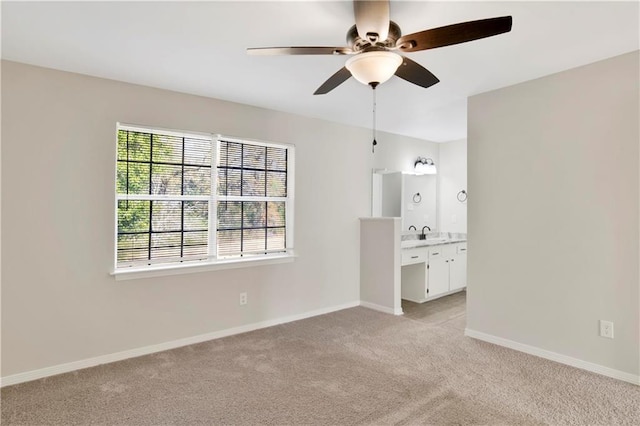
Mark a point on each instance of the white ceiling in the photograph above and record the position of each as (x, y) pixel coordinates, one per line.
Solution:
(199, 48)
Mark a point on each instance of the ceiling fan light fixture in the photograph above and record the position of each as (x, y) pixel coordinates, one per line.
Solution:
(374, 67)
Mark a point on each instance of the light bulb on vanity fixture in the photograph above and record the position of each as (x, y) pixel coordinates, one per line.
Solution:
(425, 166)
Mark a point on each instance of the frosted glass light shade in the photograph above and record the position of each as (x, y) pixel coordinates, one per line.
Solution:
(373, 67)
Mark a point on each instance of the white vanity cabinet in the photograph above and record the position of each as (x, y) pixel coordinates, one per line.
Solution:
(446, 269)
(437, 271)
(443, 271)
(458, 267)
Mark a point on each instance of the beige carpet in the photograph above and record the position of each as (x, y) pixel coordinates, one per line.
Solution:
(351, 367)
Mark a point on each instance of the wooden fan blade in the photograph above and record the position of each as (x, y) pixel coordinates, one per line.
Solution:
(334, 81)
(454, 34)
(302, 50)
(372, 19)
(415, 73)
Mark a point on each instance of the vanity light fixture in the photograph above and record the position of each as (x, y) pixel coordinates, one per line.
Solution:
(425, 166)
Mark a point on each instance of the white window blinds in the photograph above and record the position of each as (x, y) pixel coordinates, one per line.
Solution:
(252, 198)
(163, 194)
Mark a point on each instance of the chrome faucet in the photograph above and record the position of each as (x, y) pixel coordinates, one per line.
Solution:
(422, 236)
(414, 228)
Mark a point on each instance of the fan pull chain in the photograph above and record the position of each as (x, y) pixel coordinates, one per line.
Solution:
(374, 143)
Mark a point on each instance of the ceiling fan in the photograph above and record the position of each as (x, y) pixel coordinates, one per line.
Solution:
(375, 39)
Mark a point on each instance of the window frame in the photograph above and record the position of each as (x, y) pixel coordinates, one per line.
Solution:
(212, 261)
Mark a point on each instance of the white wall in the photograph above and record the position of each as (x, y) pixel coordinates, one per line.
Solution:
(59, 303)
(380, 264)
(398, 153)
(554, 213)
(451, 161)
(452, 178)
(423, 213)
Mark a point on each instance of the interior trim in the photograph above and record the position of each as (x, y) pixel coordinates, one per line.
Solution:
(553, 356)
(381, 308)
(146, 350)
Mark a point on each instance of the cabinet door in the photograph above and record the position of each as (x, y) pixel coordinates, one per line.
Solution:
(438, 276)
(458, 270)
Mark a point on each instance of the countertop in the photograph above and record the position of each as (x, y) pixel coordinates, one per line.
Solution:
(412, 241)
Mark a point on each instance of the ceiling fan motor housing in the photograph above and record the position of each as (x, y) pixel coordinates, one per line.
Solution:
(358, 44)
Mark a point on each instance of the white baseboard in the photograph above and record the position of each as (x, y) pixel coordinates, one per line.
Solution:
(429, 299)
(553, 356)
(146, 350)
(381, 308)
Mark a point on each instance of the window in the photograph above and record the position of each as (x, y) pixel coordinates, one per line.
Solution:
(252, 198)
(196, 199)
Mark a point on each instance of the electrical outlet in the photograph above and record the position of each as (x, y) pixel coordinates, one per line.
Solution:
(243, 298)
(606, 329)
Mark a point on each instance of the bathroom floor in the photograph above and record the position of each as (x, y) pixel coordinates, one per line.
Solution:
(448, 309)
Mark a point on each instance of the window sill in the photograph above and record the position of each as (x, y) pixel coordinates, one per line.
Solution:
(190, 268)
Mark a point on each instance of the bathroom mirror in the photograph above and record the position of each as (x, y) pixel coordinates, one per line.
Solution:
(408, 196)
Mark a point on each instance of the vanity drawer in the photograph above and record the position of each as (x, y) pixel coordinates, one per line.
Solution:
(461, 248)
(436, 252)
(411, 256)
